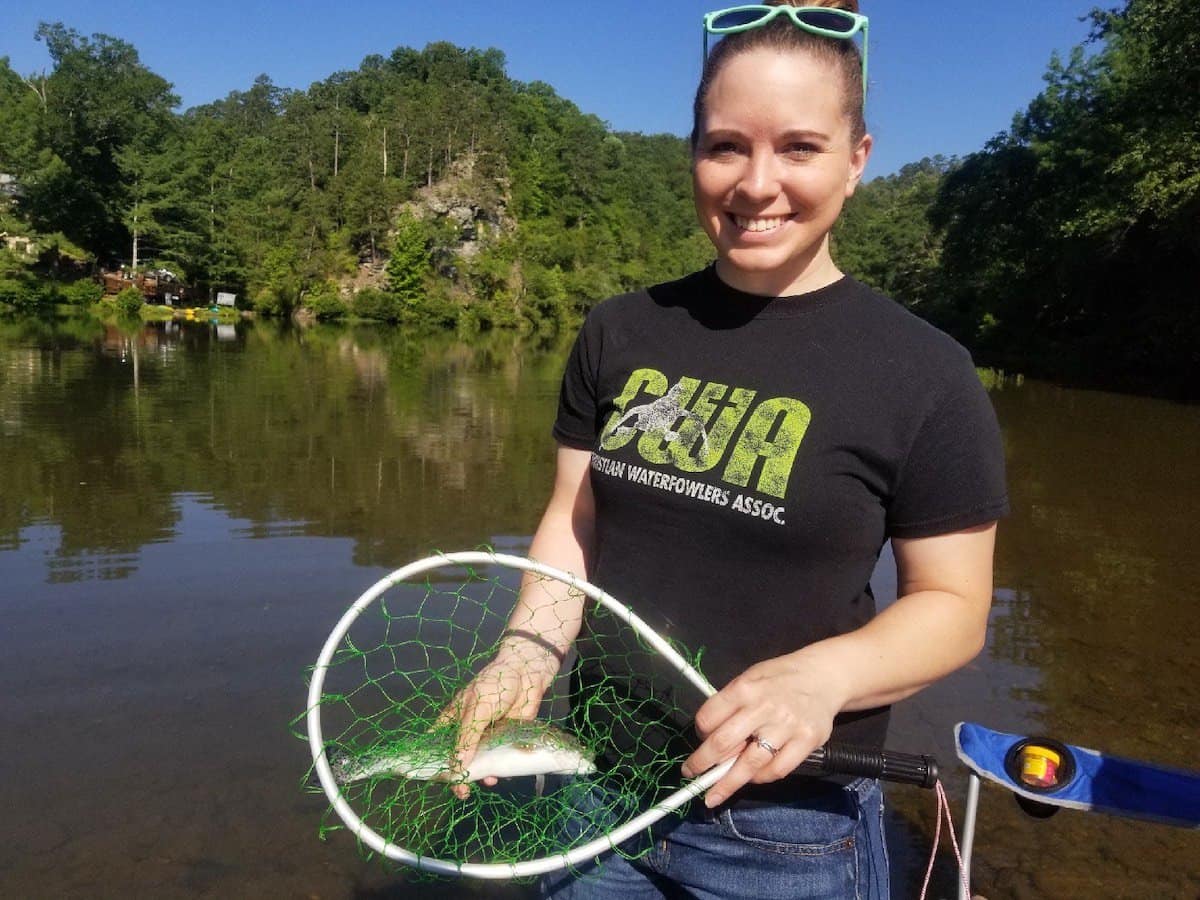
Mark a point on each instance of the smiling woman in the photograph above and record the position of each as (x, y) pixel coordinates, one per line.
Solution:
(774, 160)
(769, 381)
(779, 142)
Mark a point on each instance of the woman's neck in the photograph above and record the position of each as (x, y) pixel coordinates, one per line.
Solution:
(799, 277)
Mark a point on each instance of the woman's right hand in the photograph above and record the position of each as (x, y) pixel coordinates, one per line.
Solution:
(511, 686)
(544, 624)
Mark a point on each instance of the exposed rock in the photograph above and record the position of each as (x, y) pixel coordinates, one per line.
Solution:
(475, 204)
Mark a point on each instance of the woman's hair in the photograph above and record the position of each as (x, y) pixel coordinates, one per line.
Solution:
(783, 35)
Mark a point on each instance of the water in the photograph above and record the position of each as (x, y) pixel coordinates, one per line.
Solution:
(185, 513)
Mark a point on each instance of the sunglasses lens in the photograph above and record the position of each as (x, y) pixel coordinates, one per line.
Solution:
(738, 18)
(827, 20)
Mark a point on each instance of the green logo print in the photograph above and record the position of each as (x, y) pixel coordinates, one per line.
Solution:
(690, 426)
(773, 435)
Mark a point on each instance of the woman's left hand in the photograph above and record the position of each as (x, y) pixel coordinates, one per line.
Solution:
(771, 717)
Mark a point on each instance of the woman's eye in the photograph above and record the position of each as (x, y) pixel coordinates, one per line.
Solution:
(722, 148)
(801, 151)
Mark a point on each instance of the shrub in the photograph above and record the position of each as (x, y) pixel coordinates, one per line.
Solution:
(24, 295)
(272, 301)
(130, 302)
(82, 293)
(435, 311)
(324, 302)
(11, 291)
(370, 303)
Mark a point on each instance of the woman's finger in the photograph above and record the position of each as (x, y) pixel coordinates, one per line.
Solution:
(753, 758)
(716, 711)
(723, 743)
(783, 763)
(476, 714)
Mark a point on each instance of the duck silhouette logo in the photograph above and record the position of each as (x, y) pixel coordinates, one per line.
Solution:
(658, 416)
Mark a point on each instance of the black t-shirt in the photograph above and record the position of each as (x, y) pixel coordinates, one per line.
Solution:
(751, 455)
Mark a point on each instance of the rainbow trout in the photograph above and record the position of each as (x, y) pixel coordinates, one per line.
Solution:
(508, 749)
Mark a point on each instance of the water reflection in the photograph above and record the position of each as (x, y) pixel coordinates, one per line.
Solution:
(364, 434)
(184, 512)
(1095, 636)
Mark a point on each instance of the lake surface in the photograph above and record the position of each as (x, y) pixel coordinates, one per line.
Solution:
(185, 511)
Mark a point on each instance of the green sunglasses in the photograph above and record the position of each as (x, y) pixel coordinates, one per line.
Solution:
(820, 20)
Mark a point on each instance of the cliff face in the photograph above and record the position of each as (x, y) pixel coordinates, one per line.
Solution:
(475, 204)
(469, 203)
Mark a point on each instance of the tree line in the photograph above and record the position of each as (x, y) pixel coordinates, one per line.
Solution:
(1069, 246)
(287, 195)
(442, 190)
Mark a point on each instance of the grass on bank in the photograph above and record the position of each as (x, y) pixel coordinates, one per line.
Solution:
(998, 379)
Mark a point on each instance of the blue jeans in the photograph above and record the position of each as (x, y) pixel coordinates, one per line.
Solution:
(829, 844)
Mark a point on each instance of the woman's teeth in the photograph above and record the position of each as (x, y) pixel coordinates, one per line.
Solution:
(759, 224)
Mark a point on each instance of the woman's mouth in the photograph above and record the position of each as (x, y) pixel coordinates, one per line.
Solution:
(758, 223)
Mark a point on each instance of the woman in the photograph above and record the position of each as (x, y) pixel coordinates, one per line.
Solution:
(816, 420)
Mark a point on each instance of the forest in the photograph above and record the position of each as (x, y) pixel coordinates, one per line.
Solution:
(426, 187)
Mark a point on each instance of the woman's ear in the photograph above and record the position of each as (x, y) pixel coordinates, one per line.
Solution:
(858, 163)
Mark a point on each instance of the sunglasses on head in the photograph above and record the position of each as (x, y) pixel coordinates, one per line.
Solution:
(819, 20)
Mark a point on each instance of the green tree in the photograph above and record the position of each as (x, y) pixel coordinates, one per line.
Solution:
(1070, 243)
(272, 193)
(884, 236)
(98, 102)
(408, 268)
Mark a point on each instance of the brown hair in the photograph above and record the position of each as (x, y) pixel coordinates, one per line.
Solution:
(783, 35)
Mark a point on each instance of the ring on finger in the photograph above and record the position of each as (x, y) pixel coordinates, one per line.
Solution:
(765, 744)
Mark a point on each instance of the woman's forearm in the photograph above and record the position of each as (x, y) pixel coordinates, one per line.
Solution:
(548, 614)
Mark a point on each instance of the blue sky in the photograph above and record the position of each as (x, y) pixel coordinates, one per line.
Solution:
(945, 76)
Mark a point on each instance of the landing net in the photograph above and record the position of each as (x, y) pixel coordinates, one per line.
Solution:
(387, 686)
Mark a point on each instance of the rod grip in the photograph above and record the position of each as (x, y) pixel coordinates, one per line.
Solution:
(886, 765)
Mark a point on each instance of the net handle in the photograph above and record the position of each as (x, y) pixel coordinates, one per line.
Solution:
(830, 759)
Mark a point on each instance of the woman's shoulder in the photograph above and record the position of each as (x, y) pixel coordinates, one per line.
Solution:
(913, 354)
(891, 323)
(665, 294)
(646, 303)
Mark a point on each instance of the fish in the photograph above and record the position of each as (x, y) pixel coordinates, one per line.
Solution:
(509, 748)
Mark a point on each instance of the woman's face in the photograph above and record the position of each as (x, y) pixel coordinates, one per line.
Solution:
(773, 165)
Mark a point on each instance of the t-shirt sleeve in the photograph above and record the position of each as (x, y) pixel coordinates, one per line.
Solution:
(953, 476)
(576, 423)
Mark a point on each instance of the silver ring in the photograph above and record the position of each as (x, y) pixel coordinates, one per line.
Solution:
(766, 745)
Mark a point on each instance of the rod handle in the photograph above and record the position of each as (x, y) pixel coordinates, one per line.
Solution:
(886, 765)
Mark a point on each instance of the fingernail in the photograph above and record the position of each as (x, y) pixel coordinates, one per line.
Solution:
(711, 800)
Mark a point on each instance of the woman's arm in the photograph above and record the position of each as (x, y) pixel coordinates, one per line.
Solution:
(545, 620)
(937, 625)
(564, 540)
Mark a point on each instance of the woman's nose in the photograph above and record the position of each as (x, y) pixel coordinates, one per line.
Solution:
(760, 177)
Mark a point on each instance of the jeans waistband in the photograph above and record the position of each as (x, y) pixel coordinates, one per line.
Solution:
(793, 789)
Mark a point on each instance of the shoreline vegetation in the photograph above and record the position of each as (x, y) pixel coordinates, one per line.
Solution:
(426, 188)
(998, 379)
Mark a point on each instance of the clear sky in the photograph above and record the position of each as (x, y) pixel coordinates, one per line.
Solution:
(945, 76)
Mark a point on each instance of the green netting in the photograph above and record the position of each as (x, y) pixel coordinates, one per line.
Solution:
(616, 713)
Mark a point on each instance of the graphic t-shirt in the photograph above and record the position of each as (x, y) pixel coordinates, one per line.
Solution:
(751, 455)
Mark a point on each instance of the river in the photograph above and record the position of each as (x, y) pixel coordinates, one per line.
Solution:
(186, 509)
